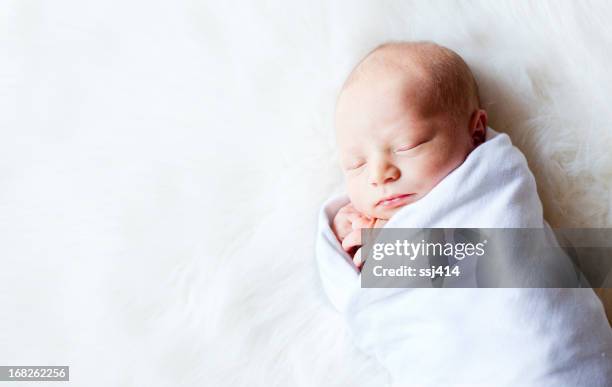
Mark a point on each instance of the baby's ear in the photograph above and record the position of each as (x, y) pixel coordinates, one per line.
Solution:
(478, 127)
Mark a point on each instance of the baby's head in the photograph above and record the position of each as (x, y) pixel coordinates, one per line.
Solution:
(407, 116)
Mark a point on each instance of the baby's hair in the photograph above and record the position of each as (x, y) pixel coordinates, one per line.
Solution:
(450, 82)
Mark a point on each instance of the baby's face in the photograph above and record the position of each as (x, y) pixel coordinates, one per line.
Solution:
(393, 148)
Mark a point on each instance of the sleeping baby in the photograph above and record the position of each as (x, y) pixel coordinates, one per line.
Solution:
(417, 153)
(407, 116)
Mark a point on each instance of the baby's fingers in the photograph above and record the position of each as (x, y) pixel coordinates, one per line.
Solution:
(363, 222)
(347, 209)
(353, 239)
(341, 227)
(357, 259)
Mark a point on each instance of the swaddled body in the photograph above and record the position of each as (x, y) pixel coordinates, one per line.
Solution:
(411, 137)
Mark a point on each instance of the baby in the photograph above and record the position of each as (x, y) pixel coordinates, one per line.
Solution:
(411, 137)
(407, 116)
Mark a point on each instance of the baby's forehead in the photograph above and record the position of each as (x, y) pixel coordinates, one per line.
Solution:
(399, 82)
(435, 76)
(384, 99)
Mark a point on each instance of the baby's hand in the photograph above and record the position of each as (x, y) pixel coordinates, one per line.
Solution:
(347, 219)
(347, 225)
(354, 239)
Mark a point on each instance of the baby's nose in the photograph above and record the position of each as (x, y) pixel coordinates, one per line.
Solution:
(384, 173)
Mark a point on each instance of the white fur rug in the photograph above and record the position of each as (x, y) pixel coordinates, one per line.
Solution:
(163, 163)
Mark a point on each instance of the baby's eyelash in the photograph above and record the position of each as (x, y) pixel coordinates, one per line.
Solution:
(356, 166)
(409, 147)
(404, 148)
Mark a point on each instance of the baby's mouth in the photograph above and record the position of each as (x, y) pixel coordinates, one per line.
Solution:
(394, 200)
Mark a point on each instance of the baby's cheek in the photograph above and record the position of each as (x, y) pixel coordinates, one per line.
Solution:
(430, 172)
(357, 195)
(444, 167)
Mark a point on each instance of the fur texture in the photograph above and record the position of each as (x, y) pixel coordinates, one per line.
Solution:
(163, 164)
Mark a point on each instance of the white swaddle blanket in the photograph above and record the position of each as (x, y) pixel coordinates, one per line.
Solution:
(471, 336)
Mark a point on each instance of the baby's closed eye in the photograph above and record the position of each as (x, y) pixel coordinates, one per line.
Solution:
(355, 165)
(409, 147)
